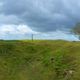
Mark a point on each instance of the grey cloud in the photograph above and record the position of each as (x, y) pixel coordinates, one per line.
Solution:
(42, 15)
(9, 19)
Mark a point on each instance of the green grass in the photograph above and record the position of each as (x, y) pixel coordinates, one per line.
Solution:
(39, 60)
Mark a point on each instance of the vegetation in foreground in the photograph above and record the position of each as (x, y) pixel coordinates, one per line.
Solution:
(39, 60)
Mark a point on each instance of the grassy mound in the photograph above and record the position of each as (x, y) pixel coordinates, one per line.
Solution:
(39, 60)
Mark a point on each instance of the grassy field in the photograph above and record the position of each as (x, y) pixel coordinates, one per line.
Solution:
(39, 60)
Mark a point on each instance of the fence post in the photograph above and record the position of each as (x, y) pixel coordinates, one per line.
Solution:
(32, 37)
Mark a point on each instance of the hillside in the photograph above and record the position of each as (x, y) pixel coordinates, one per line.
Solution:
(39, 60)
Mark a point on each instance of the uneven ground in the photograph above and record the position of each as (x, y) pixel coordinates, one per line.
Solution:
(39, 60)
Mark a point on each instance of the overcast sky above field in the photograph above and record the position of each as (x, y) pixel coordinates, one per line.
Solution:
(44, 18)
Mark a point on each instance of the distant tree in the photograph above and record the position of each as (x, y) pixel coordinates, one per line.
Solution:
(76, 30)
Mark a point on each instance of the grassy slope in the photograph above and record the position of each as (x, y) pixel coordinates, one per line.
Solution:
(39, 60)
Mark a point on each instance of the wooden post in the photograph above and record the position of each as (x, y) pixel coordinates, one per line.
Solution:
(32, 37)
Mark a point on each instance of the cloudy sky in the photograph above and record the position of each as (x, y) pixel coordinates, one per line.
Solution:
(46, 19)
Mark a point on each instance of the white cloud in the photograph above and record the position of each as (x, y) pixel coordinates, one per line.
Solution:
(59, 35)
(7, 29)
(24, 29)
(16, 29)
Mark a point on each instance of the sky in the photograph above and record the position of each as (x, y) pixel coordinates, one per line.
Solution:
(46, 19)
